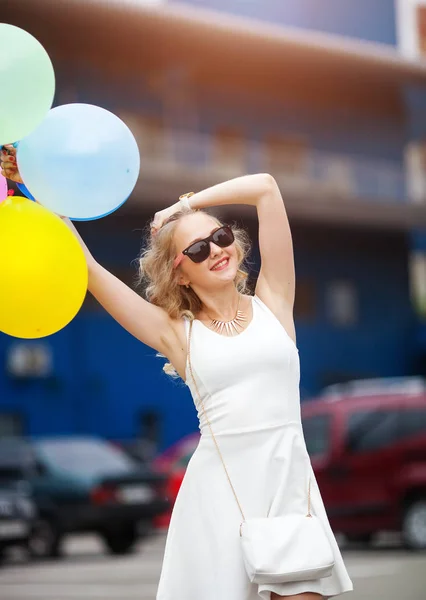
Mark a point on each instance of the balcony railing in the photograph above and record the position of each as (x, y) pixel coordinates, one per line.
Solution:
(177, 153)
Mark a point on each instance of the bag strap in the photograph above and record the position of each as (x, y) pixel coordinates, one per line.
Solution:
(200, 400)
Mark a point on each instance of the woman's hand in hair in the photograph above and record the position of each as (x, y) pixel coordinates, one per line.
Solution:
(161, 217)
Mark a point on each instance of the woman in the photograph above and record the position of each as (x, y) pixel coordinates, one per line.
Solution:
(244, 364)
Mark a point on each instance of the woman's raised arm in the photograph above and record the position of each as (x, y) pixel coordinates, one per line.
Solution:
(276, 282)
(148, 323)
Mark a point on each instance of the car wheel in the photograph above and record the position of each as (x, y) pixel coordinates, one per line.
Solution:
(45, 540)
(121, 542)
(414, 525)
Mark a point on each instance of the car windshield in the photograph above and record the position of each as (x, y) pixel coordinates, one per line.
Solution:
(183, 461)
(316, 430)
(84, 457)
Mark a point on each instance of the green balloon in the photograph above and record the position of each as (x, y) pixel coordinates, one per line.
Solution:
(27, 83)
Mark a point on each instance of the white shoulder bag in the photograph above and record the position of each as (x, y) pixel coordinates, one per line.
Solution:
(293, 547)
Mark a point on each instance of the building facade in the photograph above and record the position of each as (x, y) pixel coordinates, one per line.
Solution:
(330, 102)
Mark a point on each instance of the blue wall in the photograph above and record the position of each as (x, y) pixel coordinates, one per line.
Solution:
(372, 20)
(104, 378)
(381, 342)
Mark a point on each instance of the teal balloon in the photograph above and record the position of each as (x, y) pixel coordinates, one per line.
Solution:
(82, 161)
(27, 83)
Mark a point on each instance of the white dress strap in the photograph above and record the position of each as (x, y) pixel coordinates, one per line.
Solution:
(263, 306)
(268, 311)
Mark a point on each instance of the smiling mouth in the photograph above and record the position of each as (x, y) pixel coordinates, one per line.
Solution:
(220, 265)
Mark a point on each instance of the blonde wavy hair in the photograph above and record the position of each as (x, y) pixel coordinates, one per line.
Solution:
(161, 281)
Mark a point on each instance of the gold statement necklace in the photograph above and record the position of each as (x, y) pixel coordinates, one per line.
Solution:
(232, 327)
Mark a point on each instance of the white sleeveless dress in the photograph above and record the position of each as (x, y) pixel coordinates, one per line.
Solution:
(250, 387)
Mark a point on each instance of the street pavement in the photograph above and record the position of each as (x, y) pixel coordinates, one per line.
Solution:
(87, 573)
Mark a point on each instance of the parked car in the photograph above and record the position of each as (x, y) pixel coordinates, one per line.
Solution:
(173, 463)
(17, 511)
(369, 455)
(377, 386)
(141, 450)
(85, 484)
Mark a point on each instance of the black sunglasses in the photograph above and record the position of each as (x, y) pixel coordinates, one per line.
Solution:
(200, 251)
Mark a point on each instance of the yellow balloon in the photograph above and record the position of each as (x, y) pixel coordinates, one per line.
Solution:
(43, 270)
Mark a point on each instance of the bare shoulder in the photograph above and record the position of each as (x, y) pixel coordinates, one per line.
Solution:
(282, 310)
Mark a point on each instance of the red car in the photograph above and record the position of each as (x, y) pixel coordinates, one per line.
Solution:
(173, 463)
(368, 451)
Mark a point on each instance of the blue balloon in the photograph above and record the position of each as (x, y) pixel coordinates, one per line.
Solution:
(23, 188)
(81, 162)
(101, 216)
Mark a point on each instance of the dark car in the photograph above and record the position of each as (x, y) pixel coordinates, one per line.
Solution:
(368, 450)
(17, 512)
(84, 484)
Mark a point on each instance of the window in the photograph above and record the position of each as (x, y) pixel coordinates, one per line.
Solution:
(150, 425)
(341, 303)
(413, 422)
(229, 150)
(149, 133)
(417, 269)
(285, 155)
(183, 461)
(415, 167)
(411, 27)
(29, 360)
(11, 425)
(16, 456)
(85, 457)
(372, 430)
(305, 305)
(317, 433)
(421, 29)
(337, 173)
